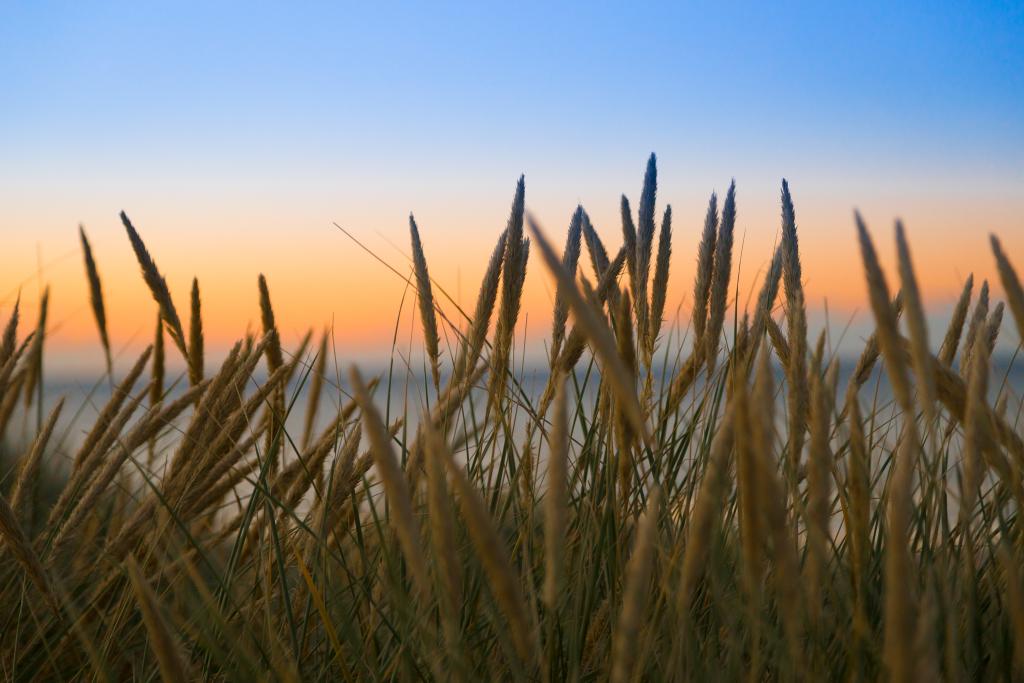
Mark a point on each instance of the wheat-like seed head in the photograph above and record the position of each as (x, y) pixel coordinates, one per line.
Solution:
(426, 300)
(96, 295)
(718, 295)
(157, 286)
(195, 338)
(956, 323)
(659, 286)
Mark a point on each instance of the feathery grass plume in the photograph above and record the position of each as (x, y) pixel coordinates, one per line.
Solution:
(601, 337)
(718, 294)
(766, 297)
(992, 327)
(645, 244)
(396, 488)
(316, 383)
(275, 356)
(629, 240)
(556, 496)
(796, 333)
(636, 592)
(705, 269)
(28, 471)
(476, 336)
(956, 324)
(570, 260)
(18, 544)
(977, 322)
(1011, 284)
(426, 299)
(10, 337)
(157, 287)
(598, 254)
(920, 351)
(502, 578)
(659, 286)
(96, 296)
(195, 338)
(162, 640)
(885, 318)
(34, 379)
(512, 277)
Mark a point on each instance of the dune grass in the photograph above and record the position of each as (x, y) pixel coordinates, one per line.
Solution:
(701, 502)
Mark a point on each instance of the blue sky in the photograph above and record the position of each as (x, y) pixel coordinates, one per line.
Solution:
(266, 121)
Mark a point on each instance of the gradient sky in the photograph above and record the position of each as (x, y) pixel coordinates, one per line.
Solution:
(234, 134)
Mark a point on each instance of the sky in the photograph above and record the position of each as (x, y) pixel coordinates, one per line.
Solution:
(236, 135)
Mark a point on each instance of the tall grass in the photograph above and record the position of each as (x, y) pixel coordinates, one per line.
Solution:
(712, 506)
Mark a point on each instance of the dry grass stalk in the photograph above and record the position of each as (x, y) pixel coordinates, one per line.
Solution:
(1011, 284)
(772, 498)
(977, 321)
(705, 269)
(96, 296)
(156, 385)
(644, 247)
(992, 327)
(1015, 602)
(719, 292)
(706, 509)
(976, 435)
(513, 275)
(600, 336)
(629, 240)
(885, 317)
(476, 336)
(9, 341)
(556, 496)
(659, 286)
(570, 260)
(110, 411)
(635, 593)
(403, 519)
(503, 579)
(819, 497)
(18, 544)
(165, 645)
(316, 383)
(796, 319)
(426, 300)
(195, 338)
(157, 286)
(858, 477)
(920, 353)
(28, 471)
(956, 325)
(34, 379)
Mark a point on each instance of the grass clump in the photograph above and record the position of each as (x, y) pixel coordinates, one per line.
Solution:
(664, 506)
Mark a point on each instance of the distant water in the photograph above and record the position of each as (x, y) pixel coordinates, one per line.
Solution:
(85, 397)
